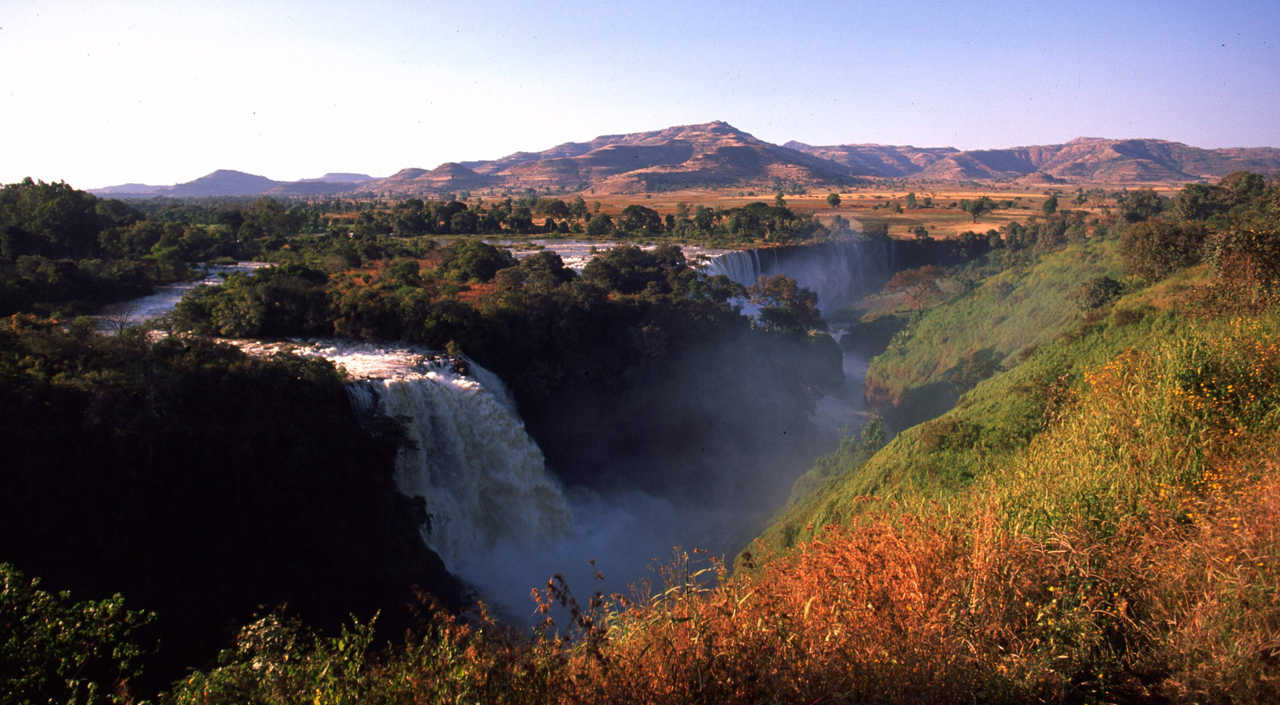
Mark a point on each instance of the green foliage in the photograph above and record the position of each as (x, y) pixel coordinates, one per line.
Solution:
(56, 650)
(1155, 248)
(1247, 260)
(919, 285)
(1199, 202)
(992, 423)
(937, 356)
(640, 220)
(852, 452)
(275, 302)
(978, 207)
(785, 306)
(54, 220)
(473, 260)
(833, 200)
(60, 252)
(1140, 205)
(1098, 292)
(600, 225)
(631, 270)
(276, 660)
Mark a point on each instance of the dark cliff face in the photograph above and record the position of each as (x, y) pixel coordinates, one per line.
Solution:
(202, 485)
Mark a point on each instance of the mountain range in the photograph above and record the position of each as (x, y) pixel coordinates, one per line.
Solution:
(230, 183)
(716, 154)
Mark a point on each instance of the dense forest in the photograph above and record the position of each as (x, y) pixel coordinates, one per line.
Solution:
(1071, 497)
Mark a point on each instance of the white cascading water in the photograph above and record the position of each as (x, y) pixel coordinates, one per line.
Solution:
(836, 271)
(483, 479)
(498, 518)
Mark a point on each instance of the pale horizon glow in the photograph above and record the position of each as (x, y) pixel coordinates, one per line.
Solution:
(105, 93)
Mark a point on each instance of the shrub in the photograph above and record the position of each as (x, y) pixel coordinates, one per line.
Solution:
(1098, 292)
(56, 650)
(1246, 260)
(1153, 249)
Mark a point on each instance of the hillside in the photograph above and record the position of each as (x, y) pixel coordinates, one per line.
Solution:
(950, 348)
(1082, 160)
(878, 159)
(711, 154)
(1098, 160)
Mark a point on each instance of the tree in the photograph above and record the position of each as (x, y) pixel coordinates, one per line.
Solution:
(1050, 205)
(919, 285)
(520, 220)
(1199, 202)
(1247, 259)
(1141, 205)
(600, 225)
(785, 306)
(474, 260)
(1097, 292)
(637, 219)
(464, 222)
(555, 208)
(978, 207)
(704, 218)
(627, 269)
(1244, 186)
(833, 200)
(1155, 248)
(910, 200)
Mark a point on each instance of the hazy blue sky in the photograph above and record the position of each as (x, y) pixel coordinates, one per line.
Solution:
(100, 92)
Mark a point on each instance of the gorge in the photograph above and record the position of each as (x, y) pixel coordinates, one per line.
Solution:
(504, 519)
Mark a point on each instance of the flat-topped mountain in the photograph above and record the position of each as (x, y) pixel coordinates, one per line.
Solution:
(717, 154)
(224, 182)
(1085, 159)
(878, 159)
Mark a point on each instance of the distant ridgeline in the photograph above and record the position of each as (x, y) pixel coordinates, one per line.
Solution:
(718, 155)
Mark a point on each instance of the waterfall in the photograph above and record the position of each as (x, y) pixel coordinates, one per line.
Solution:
(837, 272)
(468, 456)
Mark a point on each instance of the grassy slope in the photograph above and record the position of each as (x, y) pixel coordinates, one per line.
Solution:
(1014, 310)
(950, 347)
(1000, 415)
